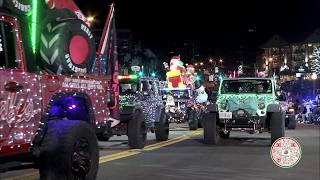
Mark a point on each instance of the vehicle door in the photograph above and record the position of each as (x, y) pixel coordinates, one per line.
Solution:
(20, 92)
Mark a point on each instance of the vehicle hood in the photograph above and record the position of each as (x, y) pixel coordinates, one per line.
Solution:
(127, 100)
(248, 102)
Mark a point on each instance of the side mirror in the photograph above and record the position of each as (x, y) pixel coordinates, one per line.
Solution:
(282, 97)
(110, 98)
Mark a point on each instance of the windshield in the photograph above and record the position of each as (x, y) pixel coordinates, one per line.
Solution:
(128, 87)
(246, 86)
(178, 93)
(8, 57)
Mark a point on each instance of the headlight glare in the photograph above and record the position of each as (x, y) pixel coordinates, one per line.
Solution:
(261, 105)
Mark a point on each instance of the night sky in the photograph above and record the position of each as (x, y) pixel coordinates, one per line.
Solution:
(210, 23)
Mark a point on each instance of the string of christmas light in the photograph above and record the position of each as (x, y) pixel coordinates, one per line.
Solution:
(315, 62)
(25, 107)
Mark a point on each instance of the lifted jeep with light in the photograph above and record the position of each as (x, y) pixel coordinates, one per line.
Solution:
(55, 94)
(248, 104)
(140, 110)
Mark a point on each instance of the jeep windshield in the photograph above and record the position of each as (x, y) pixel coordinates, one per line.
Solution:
(128, 87)
(183, 93)
(244, 86)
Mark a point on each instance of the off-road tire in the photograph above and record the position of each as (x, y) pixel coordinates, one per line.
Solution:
(68, 146)
(67, 45)
(19, 7)
(210, 129)
(137, 131)
(192, 120)
(277, 125)
(224, 135)
(162, 127)
(292, 123)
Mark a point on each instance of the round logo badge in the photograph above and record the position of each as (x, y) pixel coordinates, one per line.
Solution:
(286, 152)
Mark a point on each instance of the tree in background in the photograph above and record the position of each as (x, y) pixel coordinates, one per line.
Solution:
(315, 62)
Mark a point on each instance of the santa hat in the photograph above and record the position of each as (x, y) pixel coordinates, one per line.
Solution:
(175, 58)
(190, 67)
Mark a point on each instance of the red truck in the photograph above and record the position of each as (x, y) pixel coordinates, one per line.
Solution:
(56, 92)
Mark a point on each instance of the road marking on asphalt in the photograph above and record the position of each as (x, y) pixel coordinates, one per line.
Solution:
(123, 154)
(132, 152)
(27, 176)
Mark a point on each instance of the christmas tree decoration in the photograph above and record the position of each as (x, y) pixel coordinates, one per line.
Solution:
(315, 62)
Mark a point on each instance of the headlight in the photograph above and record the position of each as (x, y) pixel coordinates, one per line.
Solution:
(291, 110)
(261, 105)
(223, 105)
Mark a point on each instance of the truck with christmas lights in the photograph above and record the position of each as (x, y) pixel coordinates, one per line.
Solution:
(141, 110)
(56, 95)
(184, 95)
(247, 104)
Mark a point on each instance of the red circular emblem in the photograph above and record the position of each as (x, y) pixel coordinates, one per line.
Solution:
(286, 152)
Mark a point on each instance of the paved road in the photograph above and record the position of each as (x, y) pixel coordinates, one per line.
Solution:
(242, 157)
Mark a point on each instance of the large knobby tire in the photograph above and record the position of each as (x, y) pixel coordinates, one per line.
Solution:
(19, 7)
(67, 46)
(277, 125)
(224, 135)
(137, 131)
(292, 123)
(162, 127)
(210, 129)
(69, 151)
(193, 120)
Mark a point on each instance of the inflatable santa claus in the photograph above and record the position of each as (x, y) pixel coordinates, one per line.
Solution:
(174, 76)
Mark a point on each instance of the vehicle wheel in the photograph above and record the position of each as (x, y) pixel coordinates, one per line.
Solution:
(20, 7)
(67, 46)
(210, 128)
(277, 126)
(137, 131)
(193, 120)
(224, 135)
(69, 151)
(162, 128)
(292, 123)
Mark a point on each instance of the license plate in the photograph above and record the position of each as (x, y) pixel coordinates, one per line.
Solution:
(225, 115)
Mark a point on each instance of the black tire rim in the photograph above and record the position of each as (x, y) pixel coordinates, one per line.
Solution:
(81, 159)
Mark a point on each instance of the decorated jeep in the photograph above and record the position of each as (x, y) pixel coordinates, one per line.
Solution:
(141, 109)
(56, 95)
(249, 104)
(184, 95)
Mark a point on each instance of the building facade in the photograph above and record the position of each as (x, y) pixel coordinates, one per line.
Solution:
(289, 59)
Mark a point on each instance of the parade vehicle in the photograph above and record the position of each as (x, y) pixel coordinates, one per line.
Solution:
(247, 104)
(56, 95)
(290, 118)
(287, 107)
(184, 96)
(141, 109)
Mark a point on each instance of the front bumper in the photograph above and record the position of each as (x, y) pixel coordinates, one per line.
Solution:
(242, 119)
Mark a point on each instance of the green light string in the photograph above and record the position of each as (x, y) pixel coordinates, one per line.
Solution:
(34, 25)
